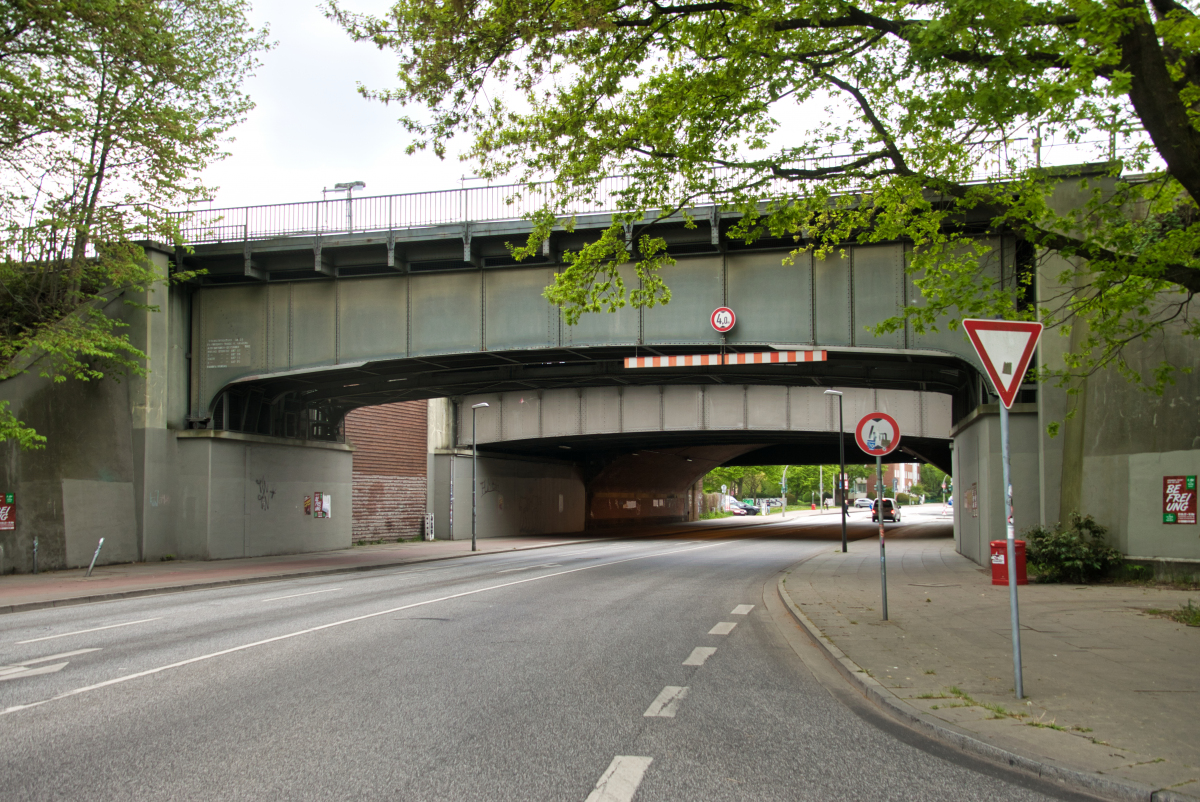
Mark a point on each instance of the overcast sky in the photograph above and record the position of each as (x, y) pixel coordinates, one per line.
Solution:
(311, 129)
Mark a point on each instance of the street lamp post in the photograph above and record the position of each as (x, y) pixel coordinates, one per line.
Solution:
(474, 472)
(841, 462)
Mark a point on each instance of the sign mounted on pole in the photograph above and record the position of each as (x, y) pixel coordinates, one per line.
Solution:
(723, 319)
(878, 434)
(1005, 347)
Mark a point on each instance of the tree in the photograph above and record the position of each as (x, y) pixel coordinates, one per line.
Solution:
(835, 122)
(109, 110)
(932, 479)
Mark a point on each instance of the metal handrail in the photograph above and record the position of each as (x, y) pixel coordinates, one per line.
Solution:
(421, 209)
(406, 210)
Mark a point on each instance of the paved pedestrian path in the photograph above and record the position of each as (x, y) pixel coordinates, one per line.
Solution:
(1110, 688)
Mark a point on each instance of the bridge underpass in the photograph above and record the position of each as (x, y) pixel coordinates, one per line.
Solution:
(287, 329)
(637, 452)
(290, 333)
(299, 317)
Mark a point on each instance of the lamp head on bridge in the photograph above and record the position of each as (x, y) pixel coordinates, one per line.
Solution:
(833, 392)
(479, 406)
(347, 186)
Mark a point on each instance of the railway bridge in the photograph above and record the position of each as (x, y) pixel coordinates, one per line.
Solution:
(303, 312)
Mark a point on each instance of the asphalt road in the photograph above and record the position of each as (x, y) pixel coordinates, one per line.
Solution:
(647, 669)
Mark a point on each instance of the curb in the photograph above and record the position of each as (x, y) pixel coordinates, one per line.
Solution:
(1042, 767)
(253, 580)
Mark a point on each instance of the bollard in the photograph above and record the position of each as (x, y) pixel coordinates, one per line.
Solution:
(99, 546)
(35, 555)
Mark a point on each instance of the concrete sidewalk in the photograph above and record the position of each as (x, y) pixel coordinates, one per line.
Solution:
(1111, 691)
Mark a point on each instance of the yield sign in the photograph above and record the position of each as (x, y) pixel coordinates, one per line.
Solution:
(1005, 347)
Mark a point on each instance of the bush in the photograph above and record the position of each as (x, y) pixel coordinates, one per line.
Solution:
(1075, 553)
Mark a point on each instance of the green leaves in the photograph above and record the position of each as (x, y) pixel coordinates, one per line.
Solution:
(109, 110)
(839, 123)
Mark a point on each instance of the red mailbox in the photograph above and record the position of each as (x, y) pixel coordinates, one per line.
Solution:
(1000, 562)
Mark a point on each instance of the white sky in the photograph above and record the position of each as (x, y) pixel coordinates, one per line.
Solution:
(311, 129)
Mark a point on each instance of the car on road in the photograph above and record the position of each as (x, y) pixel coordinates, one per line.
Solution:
(891, 511)
(740, 507)
(863, 502)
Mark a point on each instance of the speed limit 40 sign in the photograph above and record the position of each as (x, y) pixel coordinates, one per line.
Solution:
(723, 319)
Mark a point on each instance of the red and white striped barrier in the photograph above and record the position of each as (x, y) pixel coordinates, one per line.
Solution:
(691, 360)
(700, 360)
(771, 357)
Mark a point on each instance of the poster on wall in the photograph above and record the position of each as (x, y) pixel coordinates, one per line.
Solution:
(1179, 499)
(320, 505)
(8, 512)
(308, 505)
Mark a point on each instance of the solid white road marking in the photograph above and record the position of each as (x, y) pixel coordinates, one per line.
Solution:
(667, 702)
(22, 669)
(742, 609)
(150, 671)
(699, 655)
(20, 672)
(93, 629)
(723, 628)
(620, 780)
(295, 595)
(54, 657)
(530, 567)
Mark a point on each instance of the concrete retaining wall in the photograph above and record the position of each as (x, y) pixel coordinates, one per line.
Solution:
(514, 497)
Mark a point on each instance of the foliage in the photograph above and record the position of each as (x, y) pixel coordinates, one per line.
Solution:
(765, 481)
(836, 122)
(1186, 614)
(932, 479)
(1074, 553)
(109, 109)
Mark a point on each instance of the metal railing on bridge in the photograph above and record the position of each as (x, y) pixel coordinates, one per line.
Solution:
(497, 202)
(447, 207)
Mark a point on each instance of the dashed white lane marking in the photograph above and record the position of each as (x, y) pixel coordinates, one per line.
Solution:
(50, 657)
(93, 629)
(667, 702)
(620, 780)
(699, 655)
(22, 669)
(742, 609)
(150, 671)
(19, 672)
(297, 595)
(723, 628)
(530, 567)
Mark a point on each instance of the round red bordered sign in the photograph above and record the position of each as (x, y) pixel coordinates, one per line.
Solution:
(877, 434)
(723, 319)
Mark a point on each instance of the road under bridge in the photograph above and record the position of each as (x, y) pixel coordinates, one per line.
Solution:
(302, 313)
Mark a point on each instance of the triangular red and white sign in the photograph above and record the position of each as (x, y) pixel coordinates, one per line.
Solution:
(1005, 347)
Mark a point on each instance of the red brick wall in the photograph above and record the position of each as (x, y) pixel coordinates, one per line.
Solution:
(389, 469)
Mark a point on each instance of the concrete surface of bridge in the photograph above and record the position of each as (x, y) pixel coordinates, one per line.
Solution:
(290, 326)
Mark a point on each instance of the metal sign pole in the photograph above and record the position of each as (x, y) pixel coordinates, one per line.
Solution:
(1012, 553)
(879, 512)
(842, 467)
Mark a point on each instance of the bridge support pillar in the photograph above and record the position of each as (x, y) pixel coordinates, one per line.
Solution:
(516, 496)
